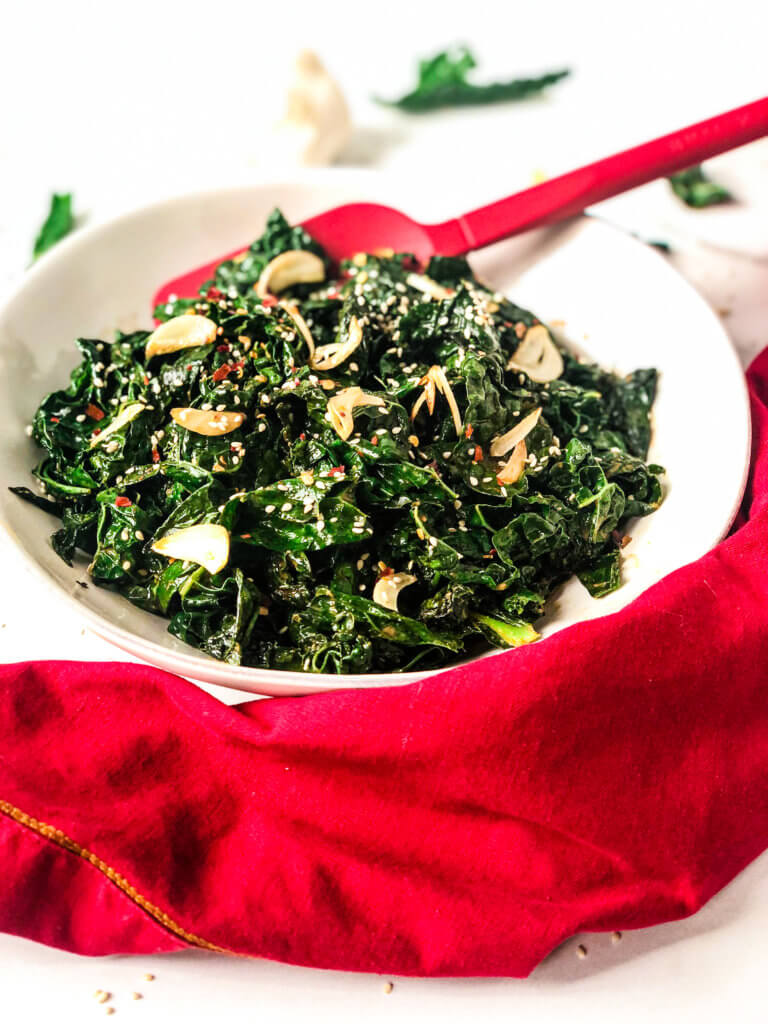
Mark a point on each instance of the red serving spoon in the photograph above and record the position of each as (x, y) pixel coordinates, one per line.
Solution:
(358, 227)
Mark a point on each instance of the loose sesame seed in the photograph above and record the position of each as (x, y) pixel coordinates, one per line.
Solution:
(286, 507)
(269, 509)
(474, 481)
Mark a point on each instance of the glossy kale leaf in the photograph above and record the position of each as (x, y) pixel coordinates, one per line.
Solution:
(442, 82)
(696, 189)
(57, 224)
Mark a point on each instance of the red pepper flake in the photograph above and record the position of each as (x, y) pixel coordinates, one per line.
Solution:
(334, 295)
(123, 502)
(478, 456)
(96, 432)
(155, 455)
(469, 431)
(222, 373)
(374, 440)
(269, 301)
(336, 470)
(94, 412)
(215, 294)
(188, 366)
(146, 380)
(302, 436)
(54, 419)
(245, 536)
(223, 348)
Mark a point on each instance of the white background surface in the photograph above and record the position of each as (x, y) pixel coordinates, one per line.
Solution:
(123, 103)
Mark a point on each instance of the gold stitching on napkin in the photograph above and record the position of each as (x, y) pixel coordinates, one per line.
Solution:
(62, 840)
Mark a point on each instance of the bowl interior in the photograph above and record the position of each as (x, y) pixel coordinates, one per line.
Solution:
(604, 293)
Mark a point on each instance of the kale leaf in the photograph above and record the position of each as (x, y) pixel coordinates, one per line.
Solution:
(57, 224)
(697, 190)
(443, 82)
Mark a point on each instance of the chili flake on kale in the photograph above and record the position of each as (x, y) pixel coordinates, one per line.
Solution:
(381, 470)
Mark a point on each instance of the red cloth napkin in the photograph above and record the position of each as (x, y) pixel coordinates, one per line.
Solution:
(611, 777)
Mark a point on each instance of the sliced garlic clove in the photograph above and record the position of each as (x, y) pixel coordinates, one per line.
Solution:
(387, 589)
(341, 405)
(434, 380)
(301, 326)
(328, 357)
(513, 468)
(538, 356)
(126, 414)
(445, 389)
(296, 266)
(425, 284)
(186, 331)
(207, 423)
(506, 442)
(206, 544)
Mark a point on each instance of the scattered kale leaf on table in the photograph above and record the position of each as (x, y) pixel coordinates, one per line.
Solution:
(345, 448)
(57, 224)
(443, 83)
(697, 190)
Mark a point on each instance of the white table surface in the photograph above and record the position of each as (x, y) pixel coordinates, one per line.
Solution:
(123, 103)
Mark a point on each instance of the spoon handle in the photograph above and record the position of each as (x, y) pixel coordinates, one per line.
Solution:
(569, 194)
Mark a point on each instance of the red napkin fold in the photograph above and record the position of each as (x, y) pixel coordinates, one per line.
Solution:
(611, 777)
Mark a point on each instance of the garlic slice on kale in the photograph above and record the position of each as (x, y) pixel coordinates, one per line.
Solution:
(388, 587)
(295, 266)
(328, 357)
(186, 331)
(434, 380)
(514, 467)
(206, 544)
(126, 414)
(538, 356)
(207, 423)
(506, 442)
(427, 286)
(341, 405)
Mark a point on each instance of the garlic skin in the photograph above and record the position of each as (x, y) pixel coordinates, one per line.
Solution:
(316, 125)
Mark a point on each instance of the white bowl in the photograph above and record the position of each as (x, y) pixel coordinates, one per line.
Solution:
(618, 300)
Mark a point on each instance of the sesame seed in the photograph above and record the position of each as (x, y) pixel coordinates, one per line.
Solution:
(126, 565)
(474, 481)
(286, 507)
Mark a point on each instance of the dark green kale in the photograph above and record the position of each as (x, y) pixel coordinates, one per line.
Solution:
(58, 223)
(344, 444)
(697, 190)
(443, 83)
